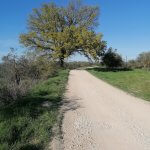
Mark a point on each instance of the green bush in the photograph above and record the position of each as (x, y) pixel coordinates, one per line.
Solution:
(111, 59)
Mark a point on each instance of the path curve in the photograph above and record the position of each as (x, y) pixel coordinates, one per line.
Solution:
(101, 117)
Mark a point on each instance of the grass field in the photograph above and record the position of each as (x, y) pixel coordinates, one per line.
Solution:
(27, 124)
(135, 82)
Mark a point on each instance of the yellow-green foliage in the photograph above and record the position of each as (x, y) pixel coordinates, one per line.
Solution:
(63, 31)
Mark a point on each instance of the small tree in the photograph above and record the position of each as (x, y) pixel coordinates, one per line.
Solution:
(144, 60)
(132, 64)
(62, 31)
(112, 59)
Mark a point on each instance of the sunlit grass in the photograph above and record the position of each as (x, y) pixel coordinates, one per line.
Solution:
(136, 82)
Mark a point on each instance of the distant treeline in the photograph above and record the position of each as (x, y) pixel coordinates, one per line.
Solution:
(142, 61)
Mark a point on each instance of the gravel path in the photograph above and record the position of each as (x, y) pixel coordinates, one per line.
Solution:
(101, 117)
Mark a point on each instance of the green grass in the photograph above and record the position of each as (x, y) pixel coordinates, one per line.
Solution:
(135, 82)
(27, 124)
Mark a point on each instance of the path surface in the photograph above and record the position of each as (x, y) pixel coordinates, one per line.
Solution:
(101, 117)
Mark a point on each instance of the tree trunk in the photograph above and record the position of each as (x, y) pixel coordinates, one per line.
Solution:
(62, 58)
(62, 62)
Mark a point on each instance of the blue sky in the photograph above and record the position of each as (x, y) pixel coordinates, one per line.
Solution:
(125, 24)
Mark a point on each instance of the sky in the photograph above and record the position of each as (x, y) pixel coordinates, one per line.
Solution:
(125, 24)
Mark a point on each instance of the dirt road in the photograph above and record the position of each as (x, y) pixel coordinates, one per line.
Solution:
(101, 117)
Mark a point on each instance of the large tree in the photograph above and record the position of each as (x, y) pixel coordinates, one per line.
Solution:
(62, 31)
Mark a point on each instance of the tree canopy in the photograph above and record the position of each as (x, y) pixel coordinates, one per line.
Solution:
(62, 31)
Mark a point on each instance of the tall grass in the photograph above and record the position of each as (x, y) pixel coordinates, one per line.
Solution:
(27, 124)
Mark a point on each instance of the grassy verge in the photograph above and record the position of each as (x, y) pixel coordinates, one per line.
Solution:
(136, 82)
(27, 124)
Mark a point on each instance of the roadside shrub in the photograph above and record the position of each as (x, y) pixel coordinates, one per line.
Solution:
(46, 68)
(111, 59)
(19, 74)
(10, 91)
(15, 80)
